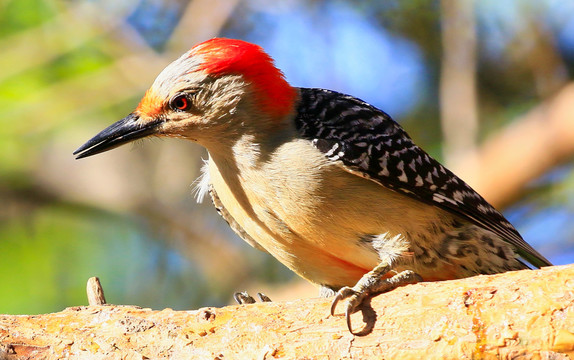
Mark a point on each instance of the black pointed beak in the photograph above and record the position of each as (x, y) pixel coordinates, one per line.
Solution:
(122, 132)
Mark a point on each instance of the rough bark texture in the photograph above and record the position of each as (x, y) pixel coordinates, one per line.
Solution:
(517, 315)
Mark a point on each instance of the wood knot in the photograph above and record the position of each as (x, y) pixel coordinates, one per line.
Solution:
(206, 315)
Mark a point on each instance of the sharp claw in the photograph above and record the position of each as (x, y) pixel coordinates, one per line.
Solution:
(243, 298)
(237, 297)
(263, 297)
(348, 318)
(336, 300)
(354, 301)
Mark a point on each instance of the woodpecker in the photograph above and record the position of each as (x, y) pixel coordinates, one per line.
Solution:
(326, 183)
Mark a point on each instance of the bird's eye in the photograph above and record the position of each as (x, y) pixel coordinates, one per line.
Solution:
(180, 102)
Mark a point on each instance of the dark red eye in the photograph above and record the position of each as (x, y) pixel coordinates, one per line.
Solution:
(180, 102)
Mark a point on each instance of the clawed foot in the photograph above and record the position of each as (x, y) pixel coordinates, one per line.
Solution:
(355, 300)
(370, 284)
(244, 298)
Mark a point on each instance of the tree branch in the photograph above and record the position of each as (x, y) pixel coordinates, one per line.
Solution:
(527, 314)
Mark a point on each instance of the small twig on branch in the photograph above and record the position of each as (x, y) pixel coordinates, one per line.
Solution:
(95, 292)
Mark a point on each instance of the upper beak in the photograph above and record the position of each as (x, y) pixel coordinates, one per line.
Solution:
(119, 133)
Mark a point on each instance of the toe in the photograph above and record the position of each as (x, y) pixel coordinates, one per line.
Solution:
(243, 298)
(354, 300)
(343, 293)
(263, 297)
(353, 303)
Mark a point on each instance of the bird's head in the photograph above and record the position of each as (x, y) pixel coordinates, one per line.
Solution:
(219, 89)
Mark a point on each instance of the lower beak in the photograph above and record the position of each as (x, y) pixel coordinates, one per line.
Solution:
(122, 132)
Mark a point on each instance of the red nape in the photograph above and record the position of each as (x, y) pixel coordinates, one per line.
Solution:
(223, 56)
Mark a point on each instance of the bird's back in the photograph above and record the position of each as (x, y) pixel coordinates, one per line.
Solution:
(371, 144)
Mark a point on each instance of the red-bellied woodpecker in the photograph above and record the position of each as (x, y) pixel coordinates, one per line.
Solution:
(326, 183)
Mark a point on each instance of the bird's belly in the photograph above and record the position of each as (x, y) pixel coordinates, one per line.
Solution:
(297, 239)
(317, 226)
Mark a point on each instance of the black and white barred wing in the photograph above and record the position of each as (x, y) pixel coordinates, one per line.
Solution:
(370, 144)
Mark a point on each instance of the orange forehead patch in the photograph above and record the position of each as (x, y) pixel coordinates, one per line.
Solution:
(150, 105)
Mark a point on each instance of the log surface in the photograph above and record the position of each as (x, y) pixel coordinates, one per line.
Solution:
(524, 314)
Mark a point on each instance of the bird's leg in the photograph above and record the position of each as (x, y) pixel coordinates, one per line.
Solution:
(326, 292)
(372, 283)
(244, 298)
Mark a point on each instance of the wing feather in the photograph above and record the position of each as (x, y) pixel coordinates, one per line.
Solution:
(369, 143)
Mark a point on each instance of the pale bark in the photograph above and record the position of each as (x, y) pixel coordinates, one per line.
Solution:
(526, 315)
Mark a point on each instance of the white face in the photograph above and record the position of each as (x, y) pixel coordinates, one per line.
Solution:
(192, 104)
(181, 103)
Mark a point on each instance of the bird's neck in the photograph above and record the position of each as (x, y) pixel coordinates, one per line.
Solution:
(245, 140)
(250, 150)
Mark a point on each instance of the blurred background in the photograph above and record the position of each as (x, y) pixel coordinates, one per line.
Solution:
(486, 87)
